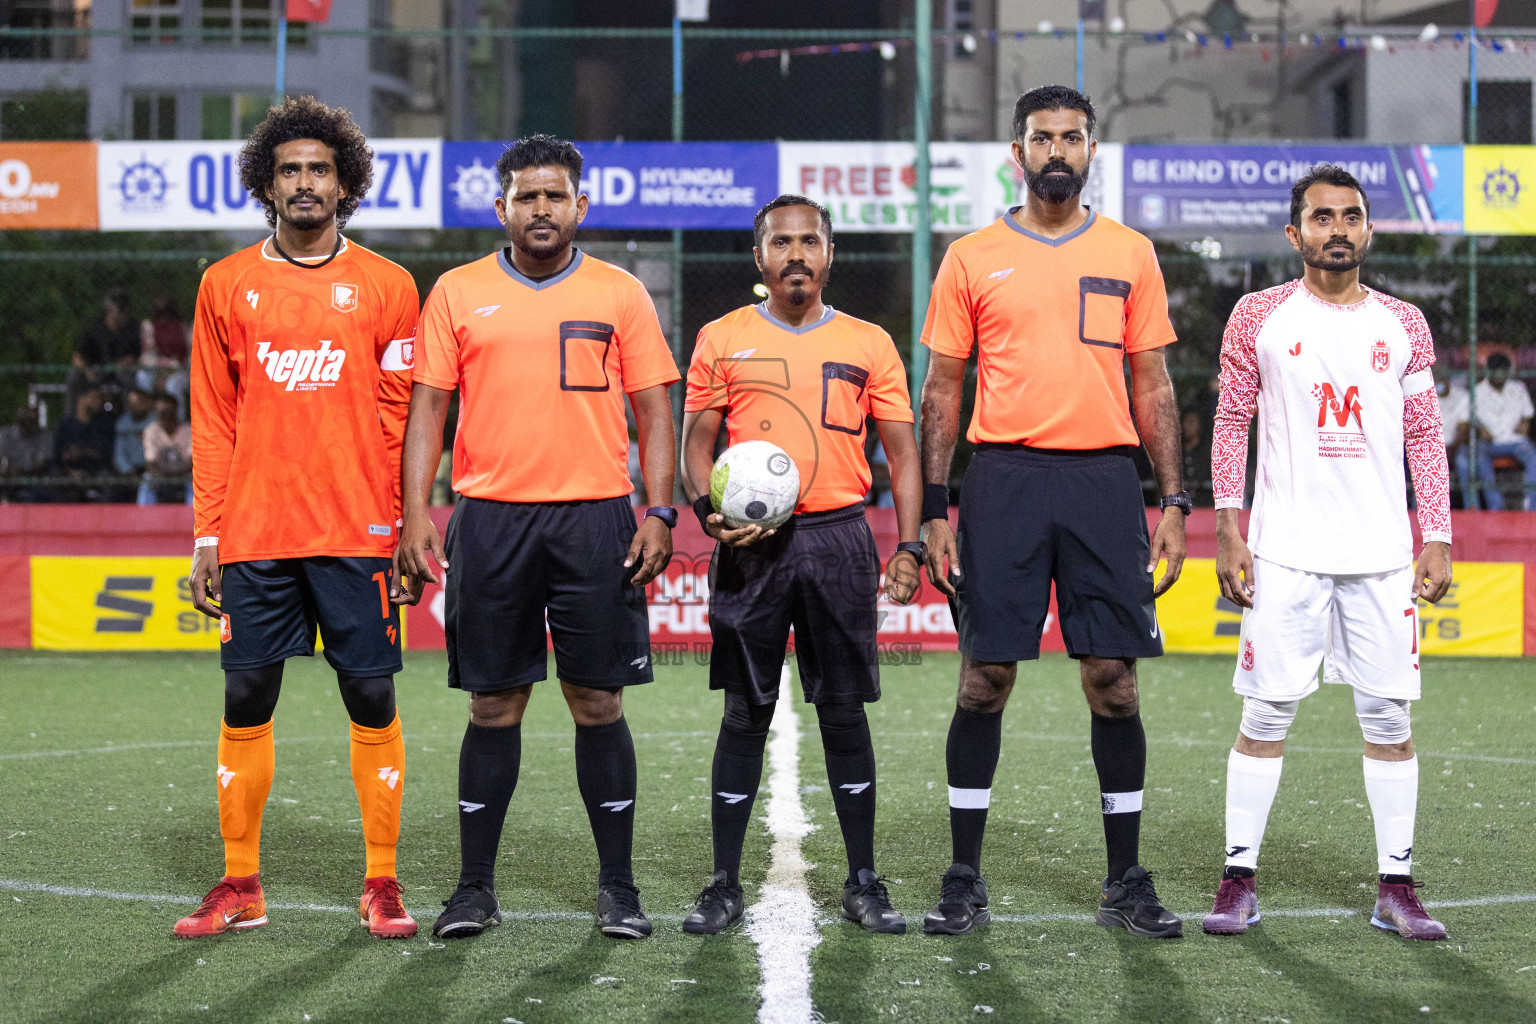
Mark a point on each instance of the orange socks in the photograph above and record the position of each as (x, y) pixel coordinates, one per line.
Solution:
(378, 772)
(246, 762)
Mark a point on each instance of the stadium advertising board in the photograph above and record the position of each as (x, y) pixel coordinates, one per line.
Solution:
(869, 187)
(47, 185)
(1483, 615)
(630, 185)
(1500, 189)
(166, 186)
(1247, 188)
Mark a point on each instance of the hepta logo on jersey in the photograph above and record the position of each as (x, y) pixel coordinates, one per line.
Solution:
(1247, 655)
(302, 369)
(344, 297)
(1381, 356)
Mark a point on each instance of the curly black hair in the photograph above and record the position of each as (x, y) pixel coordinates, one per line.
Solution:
(304, 117)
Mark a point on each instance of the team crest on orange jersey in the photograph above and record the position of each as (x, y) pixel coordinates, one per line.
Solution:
(344, 297)
(224, 631)
(1381, 356)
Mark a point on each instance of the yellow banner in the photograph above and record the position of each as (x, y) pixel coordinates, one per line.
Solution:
(119, 604)
(1482, 616)
(1499, 184)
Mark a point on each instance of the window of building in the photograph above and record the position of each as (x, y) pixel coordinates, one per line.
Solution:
(1343, 109)
(153, 117)
(1503, 112)
(45, 14)
(226, 116)
(248, 22)
(155, 21)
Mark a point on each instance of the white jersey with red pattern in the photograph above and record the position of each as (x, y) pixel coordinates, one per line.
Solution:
(1341, 391)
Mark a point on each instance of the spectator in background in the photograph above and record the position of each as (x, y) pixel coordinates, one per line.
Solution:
(1454, 404)
(1503, 428)
(1197, 458)
(128, 452)
(82, 446)
(107, 350)
(25, 450)
(168, 453)
(163, 349)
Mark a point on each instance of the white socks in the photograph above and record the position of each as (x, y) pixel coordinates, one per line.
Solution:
(1392, 787)
(1251, 786)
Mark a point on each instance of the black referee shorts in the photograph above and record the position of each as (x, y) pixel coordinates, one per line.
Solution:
(272, 608)
(513, 564)
(1030, 517)
(819, 573)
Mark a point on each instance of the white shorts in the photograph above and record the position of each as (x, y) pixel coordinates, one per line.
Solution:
(1362, 630)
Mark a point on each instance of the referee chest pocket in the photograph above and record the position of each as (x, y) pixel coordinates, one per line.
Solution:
(584, 348)
(1101, 310)
(842, 394)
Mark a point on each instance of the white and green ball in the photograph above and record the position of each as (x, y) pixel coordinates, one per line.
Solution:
(755, 482)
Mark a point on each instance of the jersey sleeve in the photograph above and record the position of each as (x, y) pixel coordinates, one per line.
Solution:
(950, 327)
(645, 358)
(436, 361)
(1237, 404)
(1146, 316)
(396, 348)
(707, 386)
(214, 393)
(889, 398)
(1423, 429)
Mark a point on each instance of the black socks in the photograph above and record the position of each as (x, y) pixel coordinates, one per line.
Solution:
(1120, 756)
(970, 759)
(488, 764)
(605, 774)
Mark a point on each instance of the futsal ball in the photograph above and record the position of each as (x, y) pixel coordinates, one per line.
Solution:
(755, 482)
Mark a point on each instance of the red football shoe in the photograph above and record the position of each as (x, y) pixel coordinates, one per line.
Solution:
(233, 903)
(1237, 907)
(383, 913)
(1398, 910)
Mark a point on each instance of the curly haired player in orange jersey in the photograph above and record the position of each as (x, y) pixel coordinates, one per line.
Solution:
(301, 378)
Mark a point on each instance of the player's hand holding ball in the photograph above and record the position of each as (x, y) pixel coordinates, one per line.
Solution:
(753, 487)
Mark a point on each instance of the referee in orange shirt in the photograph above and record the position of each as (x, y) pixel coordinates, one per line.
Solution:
(543, 343)
(1054, 297)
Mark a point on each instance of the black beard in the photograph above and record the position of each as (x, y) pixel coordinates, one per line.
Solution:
(1055, 189)
(317, 218)
(798, 296)
(1318, 259)
(534, 250)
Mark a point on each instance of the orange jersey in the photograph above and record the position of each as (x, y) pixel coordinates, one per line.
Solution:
(808, 389)
(1052, 320)
(542, 368)
(301, 379)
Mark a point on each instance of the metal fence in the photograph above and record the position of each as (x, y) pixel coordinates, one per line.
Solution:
(490, 81)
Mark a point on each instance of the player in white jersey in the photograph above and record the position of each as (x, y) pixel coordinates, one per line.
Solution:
(1340, 375)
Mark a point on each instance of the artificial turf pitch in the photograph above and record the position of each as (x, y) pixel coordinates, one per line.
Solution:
(107, 795)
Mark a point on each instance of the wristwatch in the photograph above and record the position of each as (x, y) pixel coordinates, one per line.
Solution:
(916, 548)
(1179, 501)
(666, 513)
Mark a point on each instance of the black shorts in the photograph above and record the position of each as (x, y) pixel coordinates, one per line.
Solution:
(271, 609)
(513, 563)
(1030, 517)
(820, 573)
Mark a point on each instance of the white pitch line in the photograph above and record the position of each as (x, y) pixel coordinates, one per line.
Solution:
(14, 885)
(119, 748)
(783, 920)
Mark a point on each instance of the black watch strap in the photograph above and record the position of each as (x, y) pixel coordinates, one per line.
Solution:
(915, 548)
(666, 513)
(1179, 501)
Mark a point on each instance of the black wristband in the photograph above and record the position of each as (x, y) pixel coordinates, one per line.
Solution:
(703, 507)
(935, 502)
